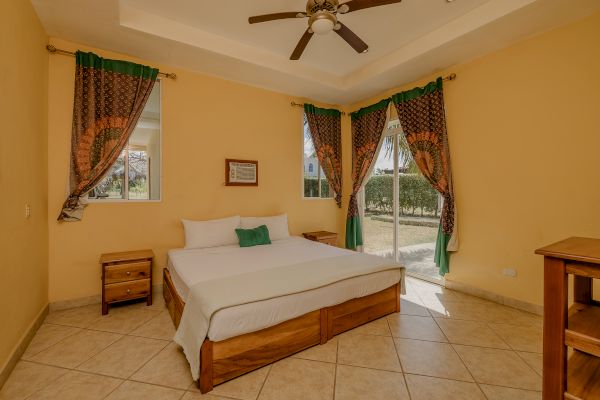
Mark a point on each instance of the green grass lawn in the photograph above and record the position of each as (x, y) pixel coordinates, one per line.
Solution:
(379, 235)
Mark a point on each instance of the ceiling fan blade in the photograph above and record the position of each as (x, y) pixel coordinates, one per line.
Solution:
(355, 5)
(302, 45)
(352, 39)
(276, 16)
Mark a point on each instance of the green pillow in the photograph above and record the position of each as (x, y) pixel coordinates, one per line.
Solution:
(253, 237)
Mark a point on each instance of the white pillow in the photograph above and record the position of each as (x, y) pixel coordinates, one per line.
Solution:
(211, 233)
(277, 225)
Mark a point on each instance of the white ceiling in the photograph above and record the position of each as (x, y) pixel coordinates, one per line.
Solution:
(406, 41)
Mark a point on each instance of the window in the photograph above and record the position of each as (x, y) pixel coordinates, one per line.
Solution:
(135, 175)
(314, 185)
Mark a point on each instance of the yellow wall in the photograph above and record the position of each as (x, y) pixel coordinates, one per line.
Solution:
(525, 140)
(522, 133)
(205, 120)
(23, 172)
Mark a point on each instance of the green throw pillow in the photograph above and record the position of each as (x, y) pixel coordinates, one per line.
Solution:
(253, 237)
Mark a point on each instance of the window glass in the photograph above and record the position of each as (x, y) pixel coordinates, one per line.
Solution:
(139, 161)
(315, 183)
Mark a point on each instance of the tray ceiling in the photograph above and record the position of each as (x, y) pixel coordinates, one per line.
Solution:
(406, 41)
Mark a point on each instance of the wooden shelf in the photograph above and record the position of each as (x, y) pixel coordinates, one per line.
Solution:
(586, 270)
(583, 377)
(583, 332)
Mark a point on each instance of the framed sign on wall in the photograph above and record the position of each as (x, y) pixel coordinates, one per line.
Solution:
(241, 172)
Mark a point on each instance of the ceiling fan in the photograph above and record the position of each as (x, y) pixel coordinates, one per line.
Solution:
(322, 19)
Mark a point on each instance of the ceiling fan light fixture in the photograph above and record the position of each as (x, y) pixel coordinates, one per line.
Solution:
(322, 22)
(322, 26)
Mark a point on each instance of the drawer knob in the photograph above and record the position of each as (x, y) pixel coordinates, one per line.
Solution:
(128, 273)
(128, 291)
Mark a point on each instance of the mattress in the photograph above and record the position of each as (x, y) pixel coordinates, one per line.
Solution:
(188, 267)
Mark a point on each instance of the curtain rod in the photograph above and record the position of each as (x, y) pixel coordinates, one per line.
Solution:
(450, 77)
(294, 104)
(53, 50)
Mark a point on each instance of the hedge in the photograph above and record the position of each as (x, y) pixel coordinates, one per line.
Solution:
(417, 197)
(311, 188)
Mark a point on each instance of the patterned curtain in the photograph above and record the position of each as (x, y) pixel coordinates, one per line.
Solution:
(109, 98)
(326, 132)
(367, 127)
(421, 114)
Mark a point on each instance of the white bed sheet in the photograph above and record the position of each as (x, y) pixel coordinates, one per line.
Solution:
(188, 267)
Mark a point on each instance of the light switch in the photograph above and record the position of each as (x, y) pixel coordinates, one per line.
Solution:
(27, 211)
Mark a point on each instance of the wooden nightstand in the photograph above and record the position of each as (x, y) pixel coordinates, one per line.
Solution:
(126, 276)
(325, 237)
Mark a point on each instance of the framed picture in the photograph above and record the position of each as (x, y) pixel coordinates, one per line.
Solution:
(241, 172)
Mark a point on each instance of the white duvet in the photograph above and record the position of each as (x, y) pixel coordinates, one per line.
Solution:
(293, 276)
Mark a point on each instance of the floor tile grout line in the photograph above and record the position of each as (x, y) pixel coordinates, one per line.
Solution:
(130, 333)
(107, 376)
(264, 381)
(400, 362)
(508, 347)
(157, 384)
(335, 368)
(490, 327)
(525, 361)
(495, 384)
(48, 384)
(147, 361)
(76, 368)
(96, 353)
(116, 387)
(468, 370)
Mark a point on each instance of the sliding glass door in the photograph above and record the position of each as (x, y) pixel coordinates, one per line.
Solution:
(401, 210)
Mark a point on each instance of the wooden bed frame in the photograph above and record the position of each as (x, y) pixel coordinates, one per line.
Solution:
(230, 358)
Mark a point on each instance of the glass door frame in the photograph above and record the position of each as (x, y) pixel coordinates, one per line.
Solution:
(394, 132)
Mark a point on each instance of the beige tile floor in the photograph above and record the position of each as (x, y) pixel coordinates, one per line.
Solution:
(442, 345)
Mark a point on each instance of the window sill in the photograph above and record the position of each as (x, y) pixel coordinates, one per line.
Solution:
(102, 201)
(317, 198)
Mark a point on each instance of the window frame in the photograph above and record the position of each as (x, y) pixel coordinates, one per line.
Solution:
(126, 176)
(318, 168)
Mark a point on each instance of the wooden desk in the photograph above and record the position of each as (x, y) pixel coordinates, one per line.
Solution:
(577, 327)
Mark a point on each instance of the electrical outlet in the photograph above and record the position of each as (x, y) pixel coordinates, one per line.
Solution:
(27, 211)
(511, 272)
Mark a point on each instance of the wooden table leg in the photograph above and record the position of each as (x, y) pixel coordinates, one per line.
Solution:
(555, 322)
(582, 289)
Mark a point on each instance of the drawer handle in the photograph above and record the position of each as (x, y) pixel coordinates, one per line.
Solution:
(128, 273)
(128, 291)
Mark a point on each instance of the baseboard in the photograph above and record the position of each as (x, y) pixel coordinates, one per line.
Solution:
(20, 348)
(86, 301)
(496, 298)
(73, 303)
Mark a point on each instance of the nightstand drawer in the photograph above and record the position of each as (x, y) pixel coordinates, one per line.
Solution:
(126, 272)
(126, 290)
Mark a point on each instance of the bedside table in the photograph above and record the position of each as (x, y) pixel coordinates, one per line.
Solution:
(126, 276)
(325, 237)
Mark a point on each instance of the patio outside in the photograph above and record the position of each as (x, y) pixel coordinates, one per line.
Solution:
(419, 209)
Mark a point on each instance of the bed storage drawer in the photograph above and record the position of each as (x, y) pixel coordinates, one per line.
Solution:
(359, 311)
(127, 272)
(127, 290)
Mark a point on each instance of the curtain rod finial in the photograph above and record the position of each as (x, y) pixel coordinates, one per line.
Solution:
(51, 48)
(452, 76)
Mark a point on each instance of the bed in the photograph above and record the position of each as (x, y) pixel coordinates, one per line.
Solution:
(293, 307)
